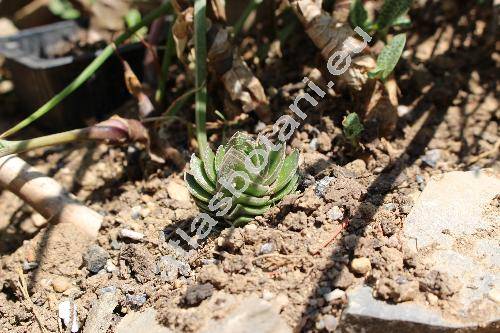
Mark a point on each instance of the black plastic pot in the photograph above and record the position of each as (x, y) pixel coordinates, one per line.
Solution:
(37, 78)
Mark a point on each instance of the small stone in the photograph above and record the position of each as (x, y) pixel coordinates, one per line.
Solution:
(110, 267)
(431, 157)
(130, 234)
(169, 268)
(28, 266)
(334, 295)
(335, 213)
(60, 284)
(177, 191)
(64, 310)
(136, 300)
(266, 248)
(322, 185)
(38, 220)
(196, 294)
(358, 167)
(267, 295)
(95, 258)
(251, 226)
(494, 294)
(361, 265)
(135, 212)
(432, 299)
(330, 322)
(403, 110)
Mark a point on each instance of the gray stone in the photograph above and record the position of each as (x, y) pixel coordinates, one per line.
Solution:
(169, 268)
(322, 185)
(95, 258)
(454, 229)
(136, 322)
(366, 314)
(252, 314)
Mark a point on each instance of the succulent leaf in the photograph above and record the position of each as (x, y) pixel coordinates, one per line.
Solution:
(216, 173)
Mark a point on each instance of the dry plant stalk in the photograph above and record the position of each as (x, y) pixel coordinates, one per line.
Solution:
(332, 33)
(46, 196)
(224, 61)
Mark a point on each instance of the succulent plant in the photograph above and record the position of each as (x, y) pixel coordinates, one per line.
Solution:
(207, 177)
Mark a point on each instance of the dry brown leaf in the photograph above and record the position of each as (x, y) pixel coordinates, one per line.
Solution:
(182, 31)
(382, 106)
(331, 35)
(237, 78)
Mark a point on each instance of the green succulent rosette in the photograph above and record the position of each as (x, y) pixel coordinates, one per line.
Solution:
(211, 178)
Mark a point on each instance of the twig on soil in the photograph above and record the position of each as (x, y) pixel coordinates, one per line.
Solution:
(344, 225)
(28, 303)
(47, 196)
(486, 154)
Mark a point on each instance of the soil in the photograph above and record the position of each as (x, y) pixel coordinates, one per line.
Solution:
(351, 202)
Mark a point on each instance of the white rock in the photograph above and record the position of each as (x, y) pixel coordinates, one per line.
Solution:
(334, 295)
(177, 191)
(361, 265)
(65, 314)
(127, 233)
(335, 213)
(494, 294)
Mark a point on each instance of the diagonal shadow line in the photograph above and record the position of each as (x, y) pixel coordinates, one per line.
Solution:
(382, 185)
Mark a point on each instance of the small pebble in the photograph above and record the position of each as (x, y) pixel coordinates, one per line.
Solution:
(136, 300)
(110, 267)
(60, 284)
(432, 299)
(361, 265)
(267, 295)
(334, 295)
(330, 322)
(135, 212)
(322, 185)
(64, 310)
(335, 213)
(130, 234)
(95, 258)
(431, 157)
(28, 266)
(266, 248)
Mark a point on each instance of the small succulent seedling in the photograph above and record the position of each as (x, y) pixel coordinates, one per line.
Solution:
(392, 13)
(352, 128)
(389, 57)
(210, 178)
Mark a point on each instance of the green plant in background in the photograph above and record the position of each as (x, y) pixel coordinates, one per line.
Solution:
(392, 13)
(278, 178)
(64, 9)
(389, 57)
(352, 128)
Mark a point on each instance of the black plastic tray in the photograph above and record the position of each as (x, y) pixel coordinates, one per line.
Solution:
(38, 78)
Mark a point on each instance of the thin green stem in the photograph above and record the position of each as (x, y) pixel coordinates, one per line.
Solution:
(200, 44)
(167, 60)
(252, 5)
(88, 71)
(16, 147)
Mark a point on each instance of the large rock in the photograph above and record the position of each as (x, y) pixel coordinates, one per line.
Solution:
(454, 230)
(366, 314)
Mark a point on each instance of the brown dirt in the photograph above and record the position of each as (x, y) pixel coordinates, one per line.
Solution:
(297, 252)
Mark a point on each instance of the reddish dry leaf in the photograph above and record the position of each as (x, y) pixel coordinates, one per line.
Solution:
(135, 88)
(237, 78)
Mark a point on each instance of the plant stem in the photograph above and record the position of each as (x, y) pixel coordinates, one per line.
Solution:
(97, 132)
(88, 71)
(252, 5)
(167, 60)
(201, 73)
